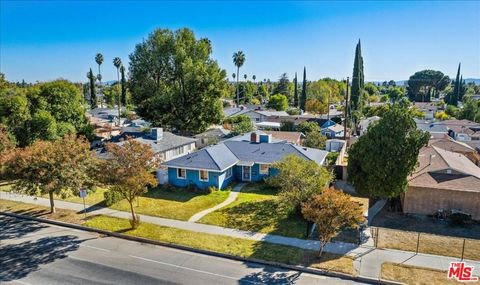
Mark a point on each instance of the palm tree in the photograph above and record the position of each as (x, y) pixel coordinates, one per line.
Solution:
(254, 77)
(233, 75)
(245, 76)
(238, 60)
(117, 62)
(99, 60)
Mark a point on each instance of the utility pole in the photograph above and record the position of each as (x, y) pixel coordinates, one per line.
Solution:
(346, 113)
(328, 106)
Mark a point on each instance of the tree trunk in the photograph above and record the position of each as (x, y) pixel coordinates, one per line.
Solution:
(52, 204)
(320, 252)
(132, 209)
(119, 101)
(238, 97)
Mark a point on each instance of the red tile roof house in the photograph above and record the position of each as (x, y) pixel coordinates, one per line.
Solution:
(443, 180)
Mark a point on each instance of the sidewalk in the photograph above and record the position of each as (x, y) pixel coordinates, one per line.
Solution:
(337, 247)
(368, 260)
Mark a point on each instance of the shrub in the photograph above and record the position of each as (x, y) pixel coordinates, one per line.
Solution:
(111, 197)
(459, 219)
(293, 111)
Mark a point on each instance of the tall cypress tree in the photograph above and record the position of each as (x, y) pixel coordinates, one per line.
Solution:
(295, 94)
(303, 98)
(462, 88)
(357, 79)
(123, 82)
(93, 95)
(455, 95)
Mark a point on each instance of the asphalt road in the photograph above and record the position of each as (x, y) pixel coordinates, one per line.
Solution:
(37, 253)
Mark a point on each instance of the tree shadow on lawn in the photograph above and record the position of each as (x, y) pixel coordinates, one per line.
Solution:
(18, 260)
(260, 215)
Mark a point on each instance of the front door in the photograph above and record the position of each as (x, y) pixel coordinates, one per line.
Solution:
(246, 173)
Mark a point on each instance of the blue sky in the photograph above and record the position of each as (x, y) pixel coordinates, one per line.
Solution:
(48, 40)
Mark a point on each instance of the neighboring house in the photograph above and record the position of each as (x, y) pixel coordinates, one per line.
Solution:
(443, 181)
(333, 131)
(166, 145)
(232, 160)
(429, 108)
(258, 116)
(295, 138)
(448, 143)
(365, 123)
(211, 136)
(336, 145)
(436, 129)
(462, 130)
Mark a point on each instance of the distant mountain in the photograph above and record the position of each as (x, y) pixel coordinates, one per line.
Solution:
(474, 80)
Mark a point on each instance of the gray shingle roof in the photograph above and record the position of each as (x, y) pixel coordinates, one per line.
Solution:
(216, 157)
(169, 141)
(220, 157)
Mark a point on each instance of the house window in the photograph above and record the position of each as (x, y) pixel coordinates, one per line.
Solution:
(181, 173)
(203, 175)
(264, 168)
(228, 173)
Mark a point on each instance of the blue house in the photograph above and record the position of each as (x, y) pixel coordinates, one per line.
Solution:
(245, 160)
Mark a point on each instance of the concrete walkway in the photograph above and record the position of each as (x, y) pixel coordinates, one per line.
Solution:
(231, 197)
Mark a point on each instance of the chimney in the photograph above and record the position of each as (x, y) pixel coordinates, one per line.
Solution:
(253, 137)
(265, 138)
(156, 133)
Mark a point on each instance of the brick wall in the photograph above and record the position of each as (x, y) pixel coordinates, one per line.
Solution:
(426, 201)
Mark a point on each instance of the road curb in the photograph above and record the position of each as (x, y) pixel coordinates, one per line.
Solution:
(207, 252)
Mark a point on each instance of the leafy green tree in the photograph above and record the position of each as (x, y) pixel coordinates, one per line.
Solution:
(382, 159)
(93, 94)
(470, 110)
(278, 102)
(130, 169)
(283, 86)
(307, 127)
(371, 89)
(43, 126)
(303, 98)
(295, 90)
(298, 180)
(332, 211)
(453, 97)
(293, 111)
(238, 60)
(240, 124)
(451, 111)
(7, 143)
(263, 92)
(315, 106)
(287, 126)
(315, 140)
(395, 94)
(58, 167)
(123, 83)
(357, 79)
(423, 83)
(175, 83)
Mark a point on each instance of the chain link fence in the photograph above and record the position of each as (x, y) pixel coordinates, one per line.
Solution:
(418, 242)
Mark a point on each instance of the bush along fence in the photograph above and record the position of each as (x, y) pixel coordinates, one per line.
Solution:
(418, 242)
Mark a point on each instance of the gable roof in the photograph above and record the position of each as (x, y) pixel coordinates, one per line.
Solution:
(432, 171)
(168, 141)
(217, 158)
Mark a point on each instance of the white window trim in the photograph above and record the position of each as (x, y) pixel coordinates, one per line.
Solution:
(200, 176)
(179, 177)
(226, 173)
(250, 176)
(260, 169)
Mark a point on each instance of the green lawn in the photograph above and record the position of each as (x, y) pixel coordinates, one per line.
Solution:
(256, 209)
(223, 244)
(179, 204)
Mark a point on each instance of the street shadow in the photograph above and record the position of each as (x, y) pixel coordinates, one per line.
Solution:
(18, 260)
(269, 275)
(94, 207)
(12, 228)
